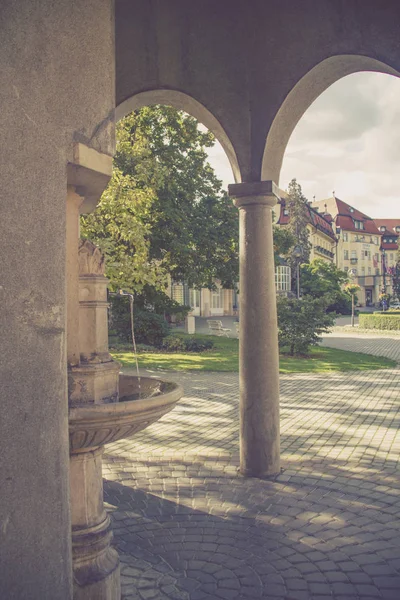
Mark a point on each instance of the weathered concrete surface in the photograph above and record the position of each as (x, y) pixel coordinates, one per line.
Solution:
(241, 60)
(56, 87)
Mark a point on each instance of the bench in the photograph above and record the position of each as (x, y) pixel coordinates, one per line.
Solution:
(216, 328)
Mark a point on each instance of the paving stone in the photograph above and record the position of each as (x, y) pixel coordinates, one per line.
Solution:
(190, 528)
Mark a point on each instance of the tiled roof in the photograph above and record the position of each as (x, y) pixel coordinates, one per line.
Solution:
(390, 224)
(316, 219)
(345, 215)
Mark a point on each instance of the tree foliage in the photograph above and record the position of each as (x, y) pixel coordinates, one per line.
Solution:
(284, 241)
(301, 322)
(119, 227)
(299, 217)
(191, 226)
(320, 279)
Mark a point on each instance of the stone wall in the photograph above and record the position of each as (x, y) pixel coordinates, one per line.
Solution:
(56, 88)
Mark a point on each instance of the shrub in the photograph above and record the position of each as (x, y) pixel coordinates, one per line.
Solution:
(157, 301)
(387, 320)
(301, 321)
(149, 327)
(192, 343)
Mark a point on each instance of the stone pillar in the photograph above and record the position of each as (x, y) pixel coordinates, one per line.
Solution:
(96, 564)
(92, 380)
(95, 378)
(258, 345)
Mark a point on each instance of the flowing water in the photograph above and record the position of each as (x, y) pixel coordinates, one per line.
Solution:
(134, 342)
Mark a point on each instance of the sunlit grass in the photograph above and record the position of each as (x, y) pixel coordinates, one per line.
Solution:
(224, 357)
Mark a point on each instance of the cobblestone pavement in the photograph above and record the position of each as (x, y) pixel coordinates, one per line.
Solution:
(387, 345)
(188, 527)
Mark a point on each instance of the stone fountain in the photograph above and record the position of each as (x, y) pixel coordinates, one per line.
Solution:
(104, 406)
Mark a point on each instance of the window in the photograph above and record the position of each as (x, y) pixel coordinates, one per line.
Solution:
(369, 270)
(354, 254)
(376, 271)
(351, 209)
(217, 298)
(362, 270)
(346, 255)
(346, 269)
(177, 292)
(286, 212)
(376, 240)
(382, 228)
(397, 228)
(282, 279)
(345, 236)
(369, 254)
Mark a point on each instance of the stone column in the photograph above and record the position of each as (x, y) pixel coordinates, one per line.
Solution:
(258, 344)
(96, 563)
(93, 380)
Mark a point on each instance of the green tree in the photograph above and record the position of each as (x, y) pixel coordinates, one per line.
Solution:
(284, 241)
(352, 289)
(119, 228)
(164, 210)
(193, 223)
(299, 218)
(321, 279)
(301, 322)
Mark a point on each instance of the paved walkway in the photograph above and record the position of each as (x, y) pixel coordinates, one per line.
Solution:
(188, 527)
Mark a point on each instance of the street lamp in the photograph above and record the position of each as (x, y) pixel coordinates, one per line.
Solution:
(298, 253)
(384, 270)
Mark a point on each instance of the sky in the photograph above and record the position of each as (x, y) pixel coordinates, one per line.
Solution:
(348, 141)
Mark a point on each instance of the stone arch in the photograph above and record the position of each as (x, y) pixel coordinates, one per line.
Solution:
(302, 95)
(184, 102)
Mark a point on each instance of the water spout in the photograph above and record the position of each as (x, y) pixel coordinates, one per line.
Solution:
(130, 296)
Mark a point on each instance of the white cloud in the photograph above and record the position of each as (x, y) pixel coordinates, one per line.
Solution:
(347, 141)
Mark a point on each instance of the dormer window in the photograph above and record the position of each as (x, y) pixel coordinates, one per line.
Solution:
(382, 228)
(351, 209)
(397, 229)
(286, 212)
(359, 224)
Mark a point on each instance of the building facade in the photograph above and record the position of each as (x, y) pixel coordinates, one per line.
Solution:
(390, 231)
(358, 250)
(322, 236)
(204, 302)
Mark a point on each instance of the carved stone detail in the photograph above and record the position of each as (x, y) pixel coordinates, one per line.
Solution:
(91, 260)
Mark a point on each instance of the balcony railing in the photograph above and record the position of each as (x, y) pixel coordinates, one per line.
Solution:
(324, 251)
(354, 261)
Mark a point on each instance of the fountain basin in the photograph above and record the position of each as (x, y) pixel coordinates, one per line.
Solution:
(93, 425)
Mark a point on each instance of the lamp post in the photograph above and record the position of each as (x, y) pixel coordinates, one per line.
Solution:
(384, 270)
(352, 288)
(298, 253)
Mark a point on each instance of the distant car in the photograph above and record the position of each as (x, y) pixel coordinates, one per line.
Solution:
(395, 304)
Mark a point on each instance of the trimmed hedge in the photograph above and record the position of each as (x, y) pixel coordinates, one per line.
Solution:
(387, 320)
(176, 342)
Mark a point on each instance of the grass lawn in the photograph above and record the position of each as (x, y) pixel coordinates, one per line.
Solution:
(224, 357)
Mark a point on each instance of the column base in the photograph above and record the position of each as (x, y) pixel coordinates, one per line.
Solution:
(96, 567)
(259, 475)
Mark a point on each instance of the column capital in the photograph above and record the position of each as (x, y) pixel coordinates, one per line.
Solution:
(254, 192)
